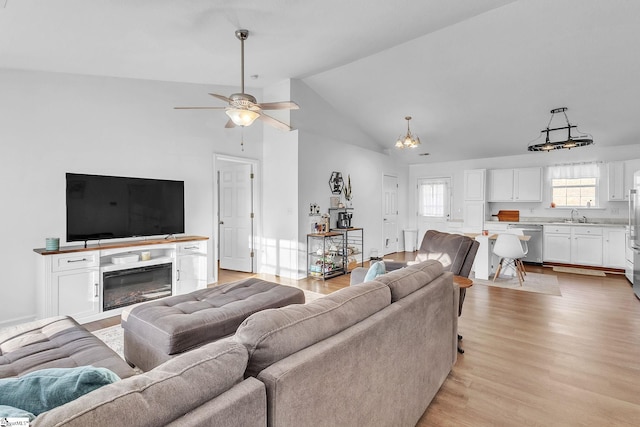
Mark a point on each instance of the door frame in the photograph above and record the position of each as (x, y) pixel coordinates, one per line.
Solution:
(391, 175)
(218, 159)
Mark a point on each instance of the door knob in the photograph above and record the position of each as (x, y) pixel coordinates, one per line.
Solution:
(221, 223)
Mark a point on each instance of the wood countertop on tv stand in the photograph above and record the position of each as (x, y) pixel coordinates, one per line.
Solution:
(122, 244)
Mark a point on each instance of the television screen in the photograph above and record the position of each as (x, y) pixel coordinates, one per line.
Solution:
(110, 207)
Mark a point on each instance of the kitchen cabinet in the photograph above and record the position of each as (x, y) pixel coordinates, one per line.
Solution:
(515, 185)
(617, 190)
(557, 243)
(580, 245)
(614, 247)
(474, 185)
(586, 246)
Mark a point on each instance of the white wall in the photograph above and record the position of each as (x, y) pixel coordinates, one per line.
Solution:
(55, 123)
(329, 145)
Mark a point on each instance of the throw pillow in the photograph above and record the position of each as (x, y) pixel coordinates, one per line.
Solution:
(40, 391)
(376, 269)
(11, 412)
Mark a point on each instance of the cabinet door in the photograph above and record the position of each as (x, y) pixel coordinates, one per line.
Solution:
(615, 173)
(500, 185)
(527, 185)
(586, 250)
(474, 184)
(614, 247)
(191, 273)
(77, 293)
(557, 247)
(474, 216)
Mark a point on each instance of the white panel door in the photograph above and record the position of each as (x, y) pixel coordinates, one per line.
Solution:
(235, 222)
(390, 214)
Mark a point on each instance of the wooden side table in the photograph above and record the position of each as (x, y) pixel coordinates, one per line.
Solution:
(464, 283)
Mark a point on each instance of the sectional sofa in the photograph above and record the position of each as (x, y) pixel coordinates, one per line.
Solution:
(373, 354)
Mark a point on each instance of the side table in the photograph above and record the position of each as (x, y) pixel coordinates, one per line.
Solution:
(464, 283)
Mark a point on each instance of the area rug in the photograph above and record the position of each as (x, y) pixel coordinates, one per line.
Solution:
(113, 336)
(574, 270)
(533, 282)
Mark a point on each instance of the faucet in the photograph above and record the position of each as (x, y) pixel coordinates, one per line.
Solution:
(574, 211)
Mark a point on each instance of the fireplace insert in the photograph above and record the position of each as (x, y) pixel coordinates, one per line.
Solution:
(129, 286)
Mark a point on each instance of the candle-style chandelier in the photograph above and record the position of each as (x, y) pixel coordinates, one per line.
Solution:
(409, 140)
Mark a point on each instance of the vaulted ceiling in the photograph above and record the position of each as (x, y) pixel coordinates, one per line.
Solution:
(478, 77)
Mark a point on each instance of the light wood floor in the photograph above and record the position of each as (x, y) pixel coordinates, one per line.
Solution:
(533, 359)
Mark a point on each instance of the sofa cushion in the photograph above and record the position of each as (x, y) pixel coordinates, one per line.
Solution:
(55, 342)
(42, 390)
(407, 280)
(272, 335)
(159, 396)
(183, 322)
(375, 270)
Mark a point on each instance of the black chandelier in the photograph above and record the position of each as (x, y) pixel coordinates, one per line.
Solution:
(572, 141)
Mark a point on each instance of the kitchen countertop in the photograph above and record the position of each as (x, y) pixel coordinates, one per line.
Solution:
(600, 222)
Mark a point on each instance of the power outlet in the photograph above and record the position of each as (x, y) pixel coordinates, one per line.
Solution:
(615, 211)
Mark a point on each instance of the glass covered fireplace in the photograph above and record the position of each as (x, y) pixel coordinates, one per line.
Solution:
(125, 287)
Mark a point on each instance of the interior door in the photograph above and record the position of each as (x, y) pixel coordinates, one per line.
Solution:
(235, 182)
(390, 214)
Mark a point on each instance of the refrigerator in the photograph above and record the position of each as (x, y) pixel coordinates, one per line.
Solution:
(634, 230)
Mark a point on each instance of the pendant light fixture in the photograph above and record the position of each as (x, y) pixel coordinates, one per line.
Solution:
(571, 141)
(409, 140)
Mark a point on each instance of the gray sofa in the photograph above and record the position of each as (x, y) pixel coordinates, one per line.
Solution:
(368, 355)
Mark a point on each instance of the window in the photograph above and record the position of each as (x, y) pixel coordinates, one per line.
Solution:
(574, 192)
(574, 186)
(433, 197)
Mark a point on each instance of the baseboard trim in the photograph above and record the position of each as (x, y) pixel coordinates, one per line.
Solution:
(16, 321)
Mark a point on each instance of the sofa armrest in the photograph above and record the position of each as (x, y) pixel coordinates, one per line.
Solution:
(395, 265)
(357, 275)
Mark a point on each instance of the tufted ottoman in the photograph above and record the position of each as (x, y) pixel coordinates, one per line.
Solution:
(156, 331)
(55, 342)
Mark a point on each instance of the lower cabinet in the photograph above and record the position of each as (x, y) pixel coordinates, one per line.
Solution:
(76, 292)
(191, 268)
(585, 245)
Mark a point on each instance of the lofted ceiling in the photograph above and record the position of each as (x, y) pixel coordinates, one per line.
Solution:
(478, 76)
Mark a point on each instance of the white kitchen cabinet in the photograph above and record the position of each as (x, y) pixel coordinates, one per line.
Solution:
(515, 185)
(580, 245)
(614, 247)
(586, 246)
(557, 243)
(473, 216)
(618, 192)
(474, 185)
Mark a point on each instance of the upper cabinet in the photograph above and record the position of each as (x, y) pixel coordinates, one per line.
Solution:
(474, 184)
(618, 188)
(515, 185)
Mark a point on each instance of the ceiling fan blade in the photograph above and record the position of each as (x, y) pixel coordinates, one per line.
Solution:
(199, 108)
(273, 122)
(230, 124)
(284, 105)
(221, 97)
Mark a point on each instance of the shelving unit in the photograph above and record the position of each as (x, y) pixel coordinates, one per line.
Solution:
(324, 258)
(353, 249)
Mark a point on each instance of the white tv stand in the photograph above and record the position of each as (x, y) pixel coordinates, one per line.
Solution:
(71, 280)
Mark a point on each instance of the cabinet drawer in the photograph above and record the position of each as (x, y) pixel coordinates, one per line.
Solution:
(557, 229)
(187, 248)
(74, 261)
(591, 231)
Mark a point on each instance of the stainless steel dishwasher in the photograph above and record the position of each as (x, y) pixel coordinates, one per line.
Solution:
(535, 242)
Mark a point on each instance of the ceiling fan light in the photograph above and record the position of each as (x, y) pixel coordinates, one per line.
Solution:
(242, 117)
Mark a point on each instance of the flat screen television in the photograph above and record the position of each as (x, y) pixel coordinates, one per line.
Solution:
(110, 207)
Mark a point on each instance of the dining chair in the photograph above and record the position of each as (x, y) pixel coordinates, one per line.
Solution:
(510, 251)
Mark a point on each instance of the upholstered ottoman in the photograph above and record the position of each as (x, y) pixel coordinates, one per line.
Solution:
(156, 331)
(56, 342)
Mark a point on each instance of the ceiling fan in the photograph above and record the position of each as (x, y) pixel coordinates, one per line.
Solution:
(243, 109)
